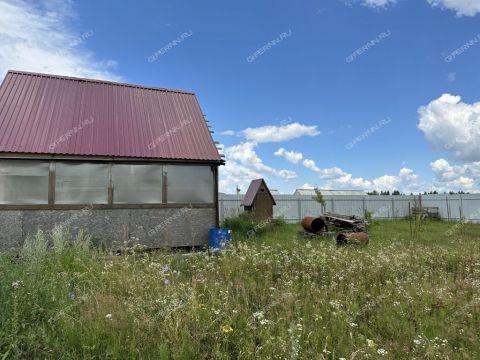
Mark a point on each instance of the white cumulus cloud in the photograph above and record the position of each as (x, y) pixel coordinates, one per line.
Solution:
(461, 7)
(336, 178)
(378, 3)
(243, 165)
(271, 133)
(287, 174)
(37, 37)
(292, 156)
(243, 162)
(228, 133)
(246, 155)
(452, 125)
(234, 174)
(310, 164)
(464, 177)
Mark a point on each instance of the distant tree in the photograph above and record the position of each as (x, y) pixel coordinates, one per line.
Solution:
(319, 198)
(387, 193)
(374, 192)
(396, 192)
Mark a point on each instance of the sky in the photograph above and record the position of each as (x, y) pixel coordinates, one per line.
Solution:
(334, 94)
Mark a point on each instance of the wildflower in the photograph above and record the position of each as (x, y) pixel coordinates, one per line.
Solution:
(72, 295)
(417, 341)
(335, 304)
(382, 352)
(352, 324)
(371, 343)
(202, 306)
(109, 316)
(396, 303)
(227, 329)
(166, 268)
(258, 315)
(166, 282)
(17, 284)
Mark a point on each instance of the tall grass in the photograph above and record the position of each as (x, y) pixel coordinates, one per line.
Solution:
(281, 296)
(246, 225)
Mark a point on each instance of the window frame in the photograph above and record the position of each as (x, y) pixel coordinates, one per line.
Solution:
(52, 205)
(213, 187)
(104, 176)
(44, 176)
(113, 190)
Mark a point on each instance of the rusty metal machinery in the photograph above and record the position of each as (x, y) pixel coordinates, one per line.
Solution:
(349, 229)
(346, 222)
(314, 225)
(350, 238)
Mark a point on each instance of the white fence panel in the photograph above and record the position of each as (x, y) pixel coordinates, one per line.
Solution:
(293, 208)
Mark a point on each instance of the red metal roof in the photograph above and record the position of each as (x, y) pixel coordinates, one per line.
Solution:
(50, 114)
(252, 191)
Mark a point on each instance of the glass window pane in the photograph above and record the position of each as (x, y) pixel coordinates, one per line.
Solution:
(137, 184)
(24, 182)
(190, 184)
(81, 183)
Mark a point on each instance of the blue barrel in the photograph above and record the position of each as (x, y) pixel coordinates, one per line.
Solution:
(219, 238)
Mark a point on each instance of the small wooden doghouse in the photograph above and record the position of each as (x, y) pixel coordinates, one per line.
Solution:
(259, 200)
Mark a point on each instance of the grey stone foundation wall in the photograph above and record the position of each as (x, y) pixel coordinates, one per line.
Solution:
(154, 228)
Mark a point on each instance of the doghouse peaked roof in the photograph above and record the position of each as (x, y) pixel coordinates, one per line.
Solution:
(50, 114)
(252, 192)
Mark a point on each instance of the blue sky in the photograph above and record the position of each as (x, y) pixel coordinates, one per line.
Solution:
(370, 94)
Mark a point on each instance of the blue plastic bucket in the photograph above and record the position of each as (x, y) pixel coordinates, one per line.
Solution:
(219, 238)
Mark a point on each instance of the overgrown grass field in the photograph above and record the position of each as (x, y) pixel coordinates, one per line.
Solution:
(275, 295)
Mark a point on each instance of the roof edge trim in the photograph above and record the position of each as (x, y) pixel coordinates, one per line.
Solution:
(98, 81)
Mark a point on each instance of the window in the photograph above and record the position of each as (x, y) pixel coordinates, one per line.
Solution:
(190, 184)
(81, 183)
(137, 184)
(24, 182)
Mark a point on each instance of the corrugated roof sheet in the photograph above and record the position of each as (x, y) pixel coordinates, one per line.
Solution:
(50, 114)
(252, 191)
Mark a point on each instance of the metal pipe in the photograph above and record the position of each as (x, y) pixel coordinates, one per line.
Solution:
(345, 238)
(313, 225)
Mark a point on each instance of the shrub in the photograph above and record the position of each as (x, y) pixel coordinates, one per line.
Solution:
(245, 224)
(240, 224)
(278, 222)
